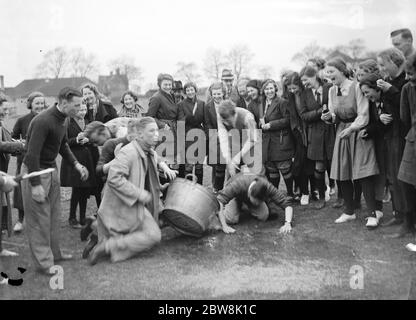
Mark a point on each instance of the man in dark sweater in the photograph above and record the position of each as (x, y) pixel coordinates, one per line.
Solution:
(41, 195)
(255, 194)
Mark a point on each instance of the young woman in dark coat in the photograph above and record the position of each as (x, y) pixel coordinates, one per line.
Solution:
(277, 139)
(97, 108)
(36, 104)
(321, 136)
(87, 155)
(193, 110)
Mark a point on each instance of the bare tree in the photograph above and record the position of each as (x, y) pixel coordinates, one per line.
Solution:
(213, 64)
(187, 71)
(55, 63)
(126, 65)
(239, 58)
(265, 72)
(356, 48)
(312, 50)
(82, 64)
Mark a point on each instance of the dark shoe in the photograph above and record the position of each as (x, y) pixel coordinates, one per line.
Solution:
(73, 223)
(86, 230)
(338, 204)
(320, 204)
(357, 206)
(315, 195)
(90, 245)
(97, 253)
(65, 257)
(393, 222)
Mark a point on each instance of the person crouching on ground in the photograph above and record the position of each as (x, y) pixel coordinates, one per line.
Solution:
(128, 215)
(255, 194)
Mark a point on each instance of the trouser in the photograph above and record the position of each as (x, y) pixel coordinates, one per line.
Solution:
(233, 209)
(218, 176)
(348, 190)
(79, 196)
(319, 174)
(121, 247)
(274, 168)
(43, 220)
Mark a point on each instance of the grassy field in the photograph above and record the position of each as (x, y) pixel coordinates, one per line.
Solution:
(316, 261)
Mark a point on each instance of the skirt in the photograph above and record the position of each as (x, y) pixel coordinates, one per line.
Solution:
(354, 158)
(407, 171)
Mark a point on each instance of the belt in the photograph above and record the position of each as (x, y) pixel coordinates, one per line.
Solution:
(347, 120)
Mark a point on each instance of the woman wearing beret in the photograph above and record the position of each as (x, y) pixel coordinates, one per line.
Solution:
(354, 158)
(36, 104)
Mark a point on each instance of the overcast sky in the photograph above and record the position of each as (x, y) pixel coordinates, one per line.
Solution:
(159, 33)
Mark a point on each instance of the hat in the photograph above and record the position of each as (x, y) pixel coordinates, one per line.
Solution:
(177, 85)
(227, 75)
(254, 84)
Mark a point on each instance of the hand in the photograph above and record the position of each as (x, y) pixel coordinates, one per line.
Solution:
(286, 228)
(345, 133)
(38, 193)
(228, 229)
(383, 85)
(166, 127)
(8, 183)
(171, 174)
(145, 197)
(326, 117)
(82, 171)
(266, 126)
(386, 118)
(232, 167)
(363, 134)
(262, 123)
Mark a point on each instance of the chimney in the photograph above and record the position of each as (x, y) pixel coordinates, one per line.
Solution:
(1, 83)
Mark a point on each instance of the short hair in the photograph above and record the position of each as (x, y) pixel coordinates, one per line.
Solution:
(94, 126)
(259, 189)
(341, 65)
(217, 86)
(369, 66)
(308, 71)
(91, 87)
(189, 85)
(394, 55)
(370, 80)
(319, 62)
(130, 93)
(405, 33)
(142, 123)
(226, 109)
(411, 62)
(32, 97)
(68, 93)
(3, 98)
(163, 76)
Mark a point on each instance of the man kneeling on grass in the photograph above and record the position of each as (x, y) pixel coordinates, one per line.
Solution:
(128, 214)
(255, 194)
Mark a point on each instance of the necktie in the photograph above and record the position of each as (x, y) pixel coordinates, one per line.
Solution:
(318, 98)
(339, 93)
(265, 109)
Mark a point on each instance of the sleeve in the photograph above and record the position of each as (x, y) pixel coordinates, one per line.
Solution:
(118, 182)
(111, 111)
(10, 146)
(309, 115)
(276, 196)
(107, 154)
(38, 131)
(154, 105)
(230, 191)
(362, 110)
(331, 105)
(285, 121)
(17, 129)
(65, 151)
(405, 115)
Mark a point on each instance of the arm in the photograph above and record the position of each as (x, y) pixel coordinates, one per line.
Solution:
(107, 154)
(11, 147)
(38, 131)
(119, 184)
(362, 110)
(251, 140)
(309, 115)
(66, 152)
(405, 115)
(154, 105)
(280, 200)
(17, 130)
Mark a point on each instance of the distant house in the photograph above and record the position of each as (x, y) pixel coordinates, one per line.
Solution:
(49, 87)
(113, 86)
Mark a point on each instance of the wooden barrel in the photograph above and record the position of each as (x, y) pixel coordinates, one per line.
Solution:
(188, 206)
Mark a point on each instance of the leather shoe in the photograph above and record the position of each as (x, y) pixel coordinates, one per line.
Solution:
(393, 222)
(86, 230)
(97, 253)
(90, 245)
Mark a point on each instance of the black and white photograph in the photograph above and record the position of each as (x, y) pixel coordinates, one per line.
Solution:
(224, 152)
